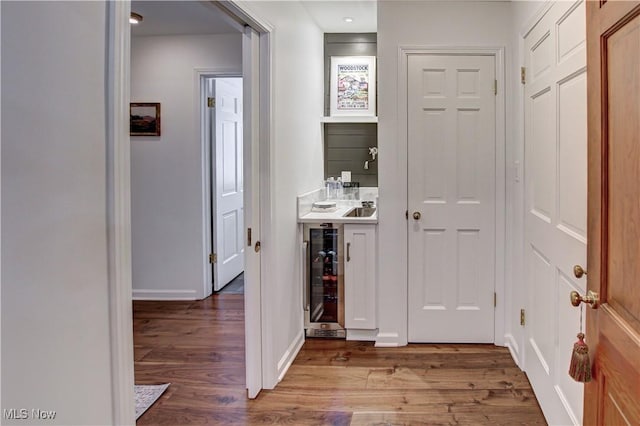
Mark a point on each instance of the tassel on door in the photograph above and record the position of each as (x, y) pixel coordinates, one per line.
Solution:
(580, 367)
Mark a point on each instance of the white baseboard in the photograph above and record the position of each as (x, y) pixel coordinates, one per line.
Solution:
(362, 335)
(145, 294)
(290, 354)
(388, 340)
(514, 349)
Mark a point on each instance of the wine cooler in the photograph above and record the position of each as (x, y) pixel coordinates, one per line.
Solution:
(324, 281)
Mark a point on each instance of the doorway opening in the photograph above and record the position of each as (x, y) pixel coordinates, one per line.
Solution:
(255, 69)
(222, 138)
(480, 182)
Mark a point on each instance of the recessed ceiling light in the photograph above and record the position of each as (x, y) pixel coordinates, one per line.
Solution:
(135, 18)
(348, 19)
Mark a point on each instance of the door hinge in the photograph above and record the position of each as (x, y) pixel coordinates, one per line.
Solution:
(213, 258)
(406, 214)
(523, 75)
(495, 299)
(522, 321)
(495, 87)
(249, 237)
(211, 102)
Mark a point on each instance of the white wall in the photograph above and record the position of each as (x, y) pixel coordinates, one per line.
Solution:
(296, 165)
(167, 223)
(55, 307)
(418, 23)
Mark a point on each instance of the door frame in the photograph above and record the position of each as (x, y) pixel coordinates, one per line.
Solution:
(118, 202)
(208, 190)
(500, 160)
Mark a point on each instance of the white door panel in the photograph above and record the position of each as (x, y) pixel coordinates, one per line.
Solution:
(227, 171)
(451, 131)
(252, 57)
(555, 213)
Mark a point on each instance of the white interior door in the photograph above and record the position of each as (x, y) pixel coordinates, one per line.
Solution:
(451, 169)
(255, 78)
(556, 203)
(228, 213)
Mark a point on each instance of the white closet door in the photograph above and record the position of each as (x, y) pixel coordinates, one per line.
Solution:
(556, 204)
(451, 131)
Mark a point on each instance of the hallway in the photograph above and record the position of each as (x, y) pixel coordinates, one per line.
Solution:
(199, 348)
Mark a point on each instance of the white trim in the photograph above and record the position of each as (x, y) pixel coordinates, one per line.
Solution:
(514, 349)
(162, 294)
(535, 18)
(267, 158)
(349, 119)
(119, 214)
(290, 355)
(362, 335)
(388, 340)
(0, 211)
(501, 201)
(500, 156)
(242, 10)
(567, 407)
(205, 166)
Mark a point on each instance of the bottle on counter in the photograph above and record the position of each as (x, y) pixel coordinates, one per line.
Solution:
(331, 188)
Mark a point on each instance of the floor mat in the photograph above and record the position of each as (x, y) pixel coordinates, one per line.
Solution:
(146, 395)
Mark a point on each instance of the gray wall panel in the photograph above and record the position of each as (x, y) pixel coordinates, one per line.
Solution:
(346, 145)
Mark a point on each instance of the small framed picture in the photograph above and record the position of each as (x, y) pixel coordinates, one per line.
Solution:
(353, 85)
(144, 119)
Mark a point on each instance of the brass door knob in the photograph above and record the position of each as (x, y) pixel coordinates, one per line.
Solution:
(417, 215)
(257, 246)
(578, 271)
(592, 298)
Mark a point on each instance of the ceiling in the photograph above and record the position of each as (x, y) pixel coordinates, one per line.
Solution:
(330, 14)
(180, 17)
(203, 17)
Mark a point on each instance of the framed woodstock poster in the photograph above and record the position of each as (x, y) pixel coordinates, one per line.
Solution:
(353, 85)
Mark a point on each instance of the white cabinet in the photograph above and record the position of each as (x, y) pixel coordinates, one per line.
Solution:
(360, 276)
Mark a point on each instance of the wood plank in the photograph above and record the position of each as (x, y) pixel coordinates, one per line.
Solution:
(220, 417)
(399, 399)
(203, 358)
(148, 373)
(418, 418)
(414, 360)
(190, 354)
(418, 378)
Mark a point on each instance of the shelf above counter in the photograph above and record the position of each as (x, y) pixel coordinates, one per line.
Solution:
(349, 119)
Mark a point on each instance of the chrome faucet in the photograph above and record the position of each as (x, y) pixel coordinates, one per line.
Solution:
(373, 151)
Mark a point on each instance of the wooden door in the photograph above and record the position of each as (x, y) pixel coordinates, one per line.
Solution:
(613, 330)
(228, 220)
(451, 167)
(555, 203)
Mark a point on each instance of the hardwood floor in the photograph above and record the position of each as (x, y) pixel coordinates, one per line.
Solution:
(199, 348)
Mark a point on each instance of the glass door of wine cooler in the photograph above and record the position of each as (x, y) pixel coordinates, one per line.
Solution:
(325, 316)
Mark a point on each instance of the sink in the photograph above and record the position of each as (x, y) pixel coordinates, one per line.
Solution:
(360, 212)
